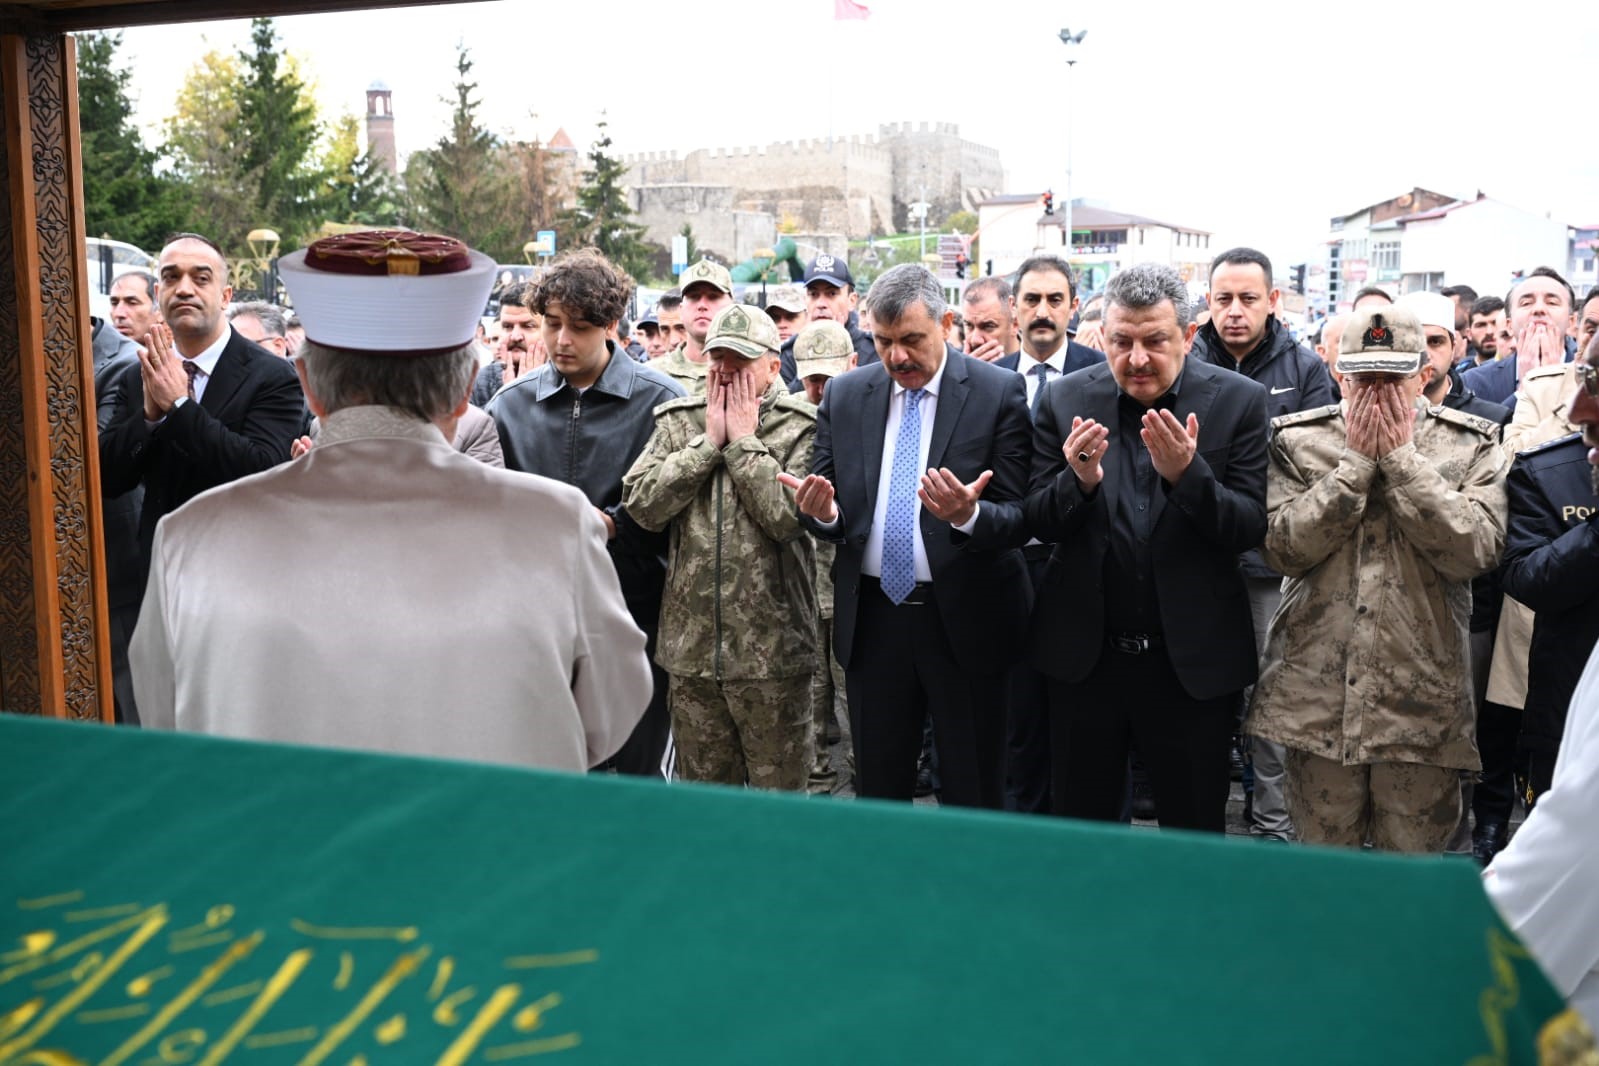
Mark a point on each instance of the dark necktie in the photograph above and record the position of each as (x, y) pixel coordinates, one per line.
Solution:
(191, 368)
(1041, 372)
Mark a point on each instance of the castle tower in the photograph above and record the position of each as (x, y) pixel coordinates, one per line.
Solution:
(380, 126)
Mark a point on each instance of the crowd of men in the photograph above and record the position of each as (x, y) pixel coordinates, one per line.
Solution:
(1050, 564)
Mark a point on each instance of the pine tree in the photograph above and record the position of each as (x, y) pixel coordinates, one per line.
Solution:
(123, 196)
(275, 135)
(204, 155)
(601, 216)
(462, 185)
(359, 188)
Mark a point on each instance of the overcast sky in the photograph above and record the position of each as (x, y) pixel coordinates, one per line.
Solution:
(1256, 120)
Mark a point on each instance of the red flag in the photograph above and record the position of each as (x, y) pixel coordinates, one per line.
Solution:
(849, 9)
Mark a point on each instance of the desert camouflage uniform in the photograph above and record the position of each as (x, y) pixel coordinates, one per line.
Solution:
(1366, 660)
(677, 366)
(738, 621)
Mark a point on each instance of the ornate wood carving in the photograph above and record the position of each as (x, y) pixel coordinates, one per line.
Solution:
(51, 576)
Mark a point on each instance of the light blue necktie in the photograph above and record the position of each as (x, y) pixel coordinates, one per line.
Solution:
(898, 576)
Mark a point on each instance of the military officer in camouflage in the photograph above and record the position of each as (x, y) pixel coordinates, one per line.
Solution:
(1380, 512)
(707, 289)
(738, 622)
(822, 351)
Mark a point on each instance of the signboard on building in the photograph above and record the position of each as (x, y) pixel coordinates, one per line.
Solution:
(1355, 270)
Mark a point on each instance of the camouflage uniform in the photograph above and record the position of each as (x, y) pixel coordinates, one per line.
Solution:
(823, 348)
(1366, 660)
(677, 366)
(738, 622)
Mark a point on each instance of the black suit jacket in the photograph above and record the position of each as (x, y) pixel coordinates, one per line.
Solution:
(980, 582)
(1078, 357)
(1216, 511)
(250, 413)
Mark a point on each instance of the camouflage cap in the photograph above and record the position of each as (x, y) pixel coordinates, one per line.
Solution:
(749, 331)
(711, 273)
(790, 298)
(823, 347)
(1381, 340)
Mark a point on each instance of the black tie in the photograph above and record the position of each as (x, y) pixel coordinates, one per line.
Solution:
(1041, 372)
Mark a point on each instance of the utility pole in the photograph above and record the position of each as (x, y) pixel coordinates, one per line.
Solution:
(1071, 41)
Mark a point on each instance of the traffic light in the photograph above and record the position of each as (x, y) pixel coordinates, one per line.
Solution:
(1049, 202)
(1299, 278)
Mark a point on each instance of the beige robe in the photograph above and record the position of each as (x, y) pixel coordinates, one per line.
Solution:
(387, 593)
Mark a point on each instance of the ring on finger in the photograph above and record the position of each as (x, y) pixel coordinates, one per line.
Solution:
(1083, 457)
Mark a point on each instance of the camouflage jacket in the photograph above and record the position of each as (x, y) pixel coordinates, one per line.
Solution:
(677, 366)
(1366, 660)
(740, 600)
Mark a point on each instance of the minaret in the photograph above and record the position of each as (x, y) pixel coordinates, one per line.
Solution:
(380, 126)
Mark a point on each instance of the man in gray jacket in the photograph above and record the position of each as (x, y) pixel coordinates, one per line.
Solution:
(582, 418)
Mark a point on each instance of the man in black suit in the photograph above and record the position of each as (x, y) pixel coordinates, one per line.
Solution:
(203, 406)
(1045, 300)
(920, 466)
(1149, 476)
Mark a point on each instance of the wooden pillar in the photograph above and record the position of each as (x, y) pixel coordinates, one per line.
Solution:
(54, 633)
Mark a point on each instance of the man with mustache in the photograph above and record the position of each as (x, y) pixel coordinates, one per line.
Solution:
(1546, 882)
(921, 463)
(1044, 301)
(520, 351)
(707, 288)
(1381, 512)
(133, 306)
(203, 406)
(1149, 478)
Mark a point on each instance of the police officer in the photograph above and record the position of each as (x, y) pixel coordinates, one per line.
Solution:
(738, 621)
(1380, 512)
(1552, 565)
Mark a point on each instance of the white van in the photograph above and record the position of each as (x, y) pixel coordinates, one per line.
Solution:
(109, 260)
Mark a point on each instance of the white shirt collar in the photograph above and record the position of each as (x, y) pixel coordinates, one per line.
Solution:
(207, 360)
(931, 388)
(1057, 362)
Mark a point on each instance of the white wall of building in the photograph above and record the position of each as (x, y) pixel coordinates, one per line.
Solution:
(1481, 244)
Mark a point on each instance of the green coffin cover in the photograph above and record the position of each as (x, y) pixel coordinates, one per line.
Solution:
(176, 899)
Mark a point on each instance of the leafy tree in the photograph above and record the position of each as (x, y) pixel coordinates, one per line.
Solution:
(203, 151)
(962, 222)
(601, 216)
(359, 188)
(275, 134)
(461, 184)
(123, 196)
(693, 254)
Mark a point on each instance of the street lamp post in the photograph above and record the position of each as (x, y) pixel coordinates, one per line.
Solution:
(1070, 40)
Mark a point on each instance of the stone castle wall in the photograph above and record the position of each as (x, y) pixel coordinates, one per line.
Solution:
(859, 185)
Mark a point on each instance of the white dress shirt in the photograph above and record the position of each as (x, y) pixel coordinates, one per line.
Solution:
(872, 559)
(1546, 883)
(1024, 366)
(207, 362)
